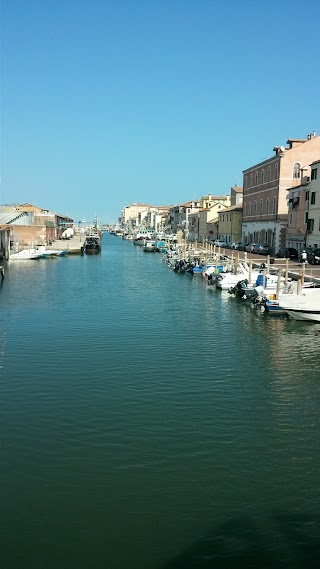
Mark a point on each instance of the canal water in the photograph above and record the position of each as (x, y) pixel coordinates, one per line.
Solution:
(150, 423)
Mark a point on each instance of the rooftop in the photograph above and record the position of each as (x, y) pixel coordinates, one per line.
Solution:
(237, 207)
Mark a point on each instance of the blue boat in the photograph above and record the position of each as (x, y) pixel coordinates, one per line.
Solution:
(272, 306)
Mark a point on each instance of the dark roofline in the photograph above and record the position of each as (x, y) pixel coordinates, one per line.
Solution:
(236, 207)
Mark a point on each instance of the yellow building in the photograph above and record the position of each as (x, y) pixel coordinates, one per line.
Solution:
(230, 224)
(200, 222)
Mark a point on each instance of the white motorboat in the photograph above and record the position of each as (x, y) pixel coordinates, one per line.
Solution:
(227, 280)
(51, 252)
(150, 246)
(303, 306)
(24, 255)
(142, 237)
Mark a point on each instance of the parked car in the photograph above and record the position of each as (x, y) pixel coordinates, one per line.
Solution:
(242, 247)
(260, 249)
(236, 245)
(313, 256)
(250, 247)
(287, 253)
(220, 243)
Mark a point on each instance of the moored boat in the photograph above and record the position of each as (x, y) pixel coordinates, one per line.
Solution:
(92, 245)
(51, 252)
(150, 246)
(24, 255)
(303, 306)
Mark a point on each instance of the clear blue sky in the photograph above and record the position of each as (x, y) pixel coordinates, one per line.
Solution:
(108, 102)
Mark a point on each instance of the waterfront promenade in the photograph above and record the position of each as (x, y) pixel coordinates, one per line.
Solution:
(72, 245)
(311, 272)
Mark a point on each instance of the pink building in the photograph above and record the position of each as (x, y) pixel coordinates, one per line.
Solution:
(265, 207)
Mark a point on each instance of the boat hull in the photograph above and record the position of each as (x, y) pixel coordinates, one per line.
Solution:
(92, 250)
(92, 245)
(304, 315)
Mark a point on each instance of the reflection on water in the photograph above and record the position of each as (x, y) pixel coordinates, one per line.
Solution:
(2, 348)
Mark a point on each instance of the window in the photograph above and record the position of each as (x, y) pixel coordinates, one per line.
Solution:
(267, 206)
(306, 217)
(255, 207)
(262, 176)
(310, 225)
(276, 171)
(296, 170)
(249, 208)
(251, 178)
(290, 218)
(274, 202)
(269, 174)
(246, 182)
(307, 196)
(256, 178)
(261, 206)
(245, 209)
(313, 198)
(314, 174)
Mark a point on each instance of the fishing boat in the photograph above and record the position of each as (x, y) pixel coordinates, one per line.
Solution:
(92, 244)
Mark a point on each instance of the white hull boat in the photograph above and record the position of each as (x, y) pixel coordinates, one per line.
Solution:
(304, 306)
(150, 246)
(24, 255)
(51, 252)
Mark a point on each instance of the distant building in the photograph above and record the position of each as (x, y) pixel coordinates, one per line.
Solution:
(202, 222)
(131, 212)
(178, 216)
(32, 225)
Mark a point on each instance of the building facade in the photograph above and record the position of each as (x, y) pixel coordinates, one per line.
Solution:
(202, 224)
(265, 208)
(29, 225)
(178, 216)
(312, 218)
(297, 199)
(230, 224)
(131, 212)
(236, 195)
